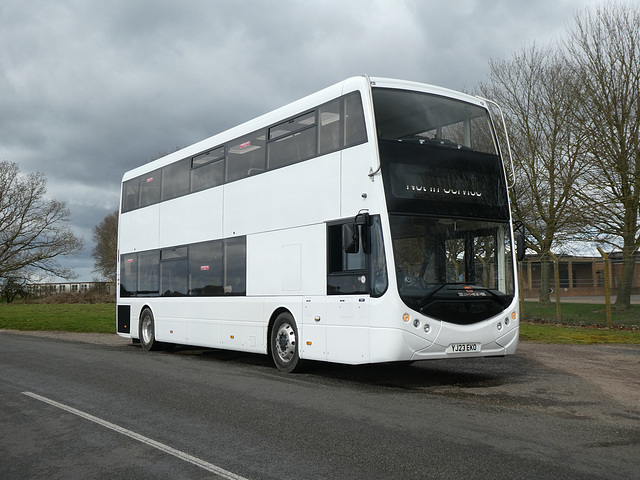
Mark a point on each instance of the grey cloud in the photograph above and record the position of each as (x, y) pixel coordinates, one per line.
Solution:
(90, 89)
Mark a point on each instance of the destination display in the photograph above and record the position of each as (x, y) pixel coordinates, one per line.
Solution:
(441, 181)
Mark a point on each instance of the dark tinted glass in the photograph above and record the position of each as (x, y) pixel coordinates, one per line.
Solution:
(175, 180)
(246, 156)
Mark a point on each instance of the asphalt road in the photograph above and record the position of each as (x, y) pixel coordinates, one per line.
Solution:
(74, 409)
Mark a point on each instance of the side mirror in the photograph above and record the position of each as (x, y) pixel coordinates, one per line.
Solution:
(350, 238)
(521, 247)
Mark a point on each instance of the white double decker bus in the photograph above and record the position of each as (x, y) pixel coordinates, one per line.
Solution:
(368, 222)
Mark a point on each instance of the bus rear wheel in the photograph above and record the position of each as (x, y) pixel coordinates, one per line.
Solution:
(284, 343)
(147, 331)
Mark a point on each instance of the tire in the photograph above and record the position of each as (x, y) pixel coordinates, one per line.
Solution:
(147, 331)
(284, 343)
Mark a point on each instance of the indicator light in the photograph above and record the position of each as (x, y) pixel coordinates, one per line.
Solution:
(406, 317)
(514, 315)
(308, 343)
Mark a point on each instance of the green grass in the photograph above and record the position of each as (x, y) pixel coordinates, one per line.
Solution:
(547, 333)
(581, 324)
(66, 317)
(582, 314)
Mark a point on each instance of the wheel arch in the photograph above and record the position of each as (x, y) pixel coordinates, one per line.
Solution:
(139, 318)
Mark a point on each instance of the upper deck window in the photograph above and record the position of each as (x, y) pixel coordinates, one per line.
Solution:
(326, 128)
(293, 141)
(207, 169)
(426, 119)
(245, 156)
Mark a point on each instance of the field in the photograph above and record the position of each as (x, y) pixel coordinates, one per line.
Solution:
(581, 323)
(65, 317)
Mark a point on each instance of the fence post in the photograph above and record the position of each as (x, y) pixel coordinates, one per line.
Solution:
(607, 298)
(520, 290)
(556, 279)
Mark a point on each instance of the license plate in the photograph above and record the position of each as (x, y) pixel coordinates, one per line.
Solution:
(464, 348)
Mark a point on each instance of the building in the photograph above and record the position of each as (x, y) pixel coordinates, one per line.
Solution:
(578, 275)
(44, 289)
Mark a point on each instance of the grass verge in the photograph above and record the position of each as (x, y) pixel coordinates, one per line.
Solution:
(567, 334)
(582, 314)
(64, 317)
(581, 323)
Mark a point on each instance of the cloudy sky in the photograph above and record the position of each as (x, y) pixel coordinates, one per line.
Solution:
(90, 89)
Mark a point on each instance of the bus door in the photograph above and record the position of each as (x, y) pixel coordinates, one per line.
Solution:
(348, 289)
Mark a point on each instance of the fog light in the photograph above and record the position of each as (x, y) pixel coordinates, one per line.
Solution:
(427, 328)
(499, 325)
(507, 321)
(416, 323)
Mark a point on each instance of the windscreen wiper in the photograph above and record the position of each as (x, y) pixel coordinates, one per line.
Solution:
(464, 291)
(435, 290)
(440, 142)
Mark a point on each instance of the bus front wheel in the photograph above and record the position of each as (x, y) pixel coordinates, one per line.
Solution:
(284, 343)
(147, 331)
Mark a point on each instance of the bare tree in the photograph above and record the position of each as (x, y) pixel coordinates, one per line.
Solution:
(535, 89)
(33, 233)
(105, 250)
(603, 49)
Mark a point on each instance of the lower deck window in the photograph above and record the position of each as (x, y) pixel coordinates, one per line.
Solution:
(212, 268)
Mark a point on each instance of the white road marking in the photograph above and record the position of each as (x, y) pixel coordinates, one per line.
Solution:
(141, 438)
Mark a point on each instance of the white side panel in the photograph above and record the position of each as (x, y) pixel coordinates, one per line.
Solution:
(302, 194)
(348, 323)
(358, 191)
(230, 323)
(313, 343)
(287, 262)
(139, 229)
(191, 219)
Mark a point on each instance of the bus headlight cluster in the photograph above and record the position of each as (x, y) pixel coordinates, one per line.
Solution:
(416, 322)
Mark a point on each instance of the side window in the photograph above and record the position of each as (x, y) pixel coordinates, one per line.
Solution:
(150, 186)
(347, 266)
(292, 141)
(235, 252)
(175, 180)
(329, 118)
(355, 131)
(173, 272)
(206, 269)
(149, 273)
(246, 156)
(128, 275)
(130, 195)
(207, 169)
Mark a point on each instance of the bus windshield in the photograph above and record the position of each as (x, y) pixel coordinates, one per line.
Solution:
(455, 270)
(425, 119)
